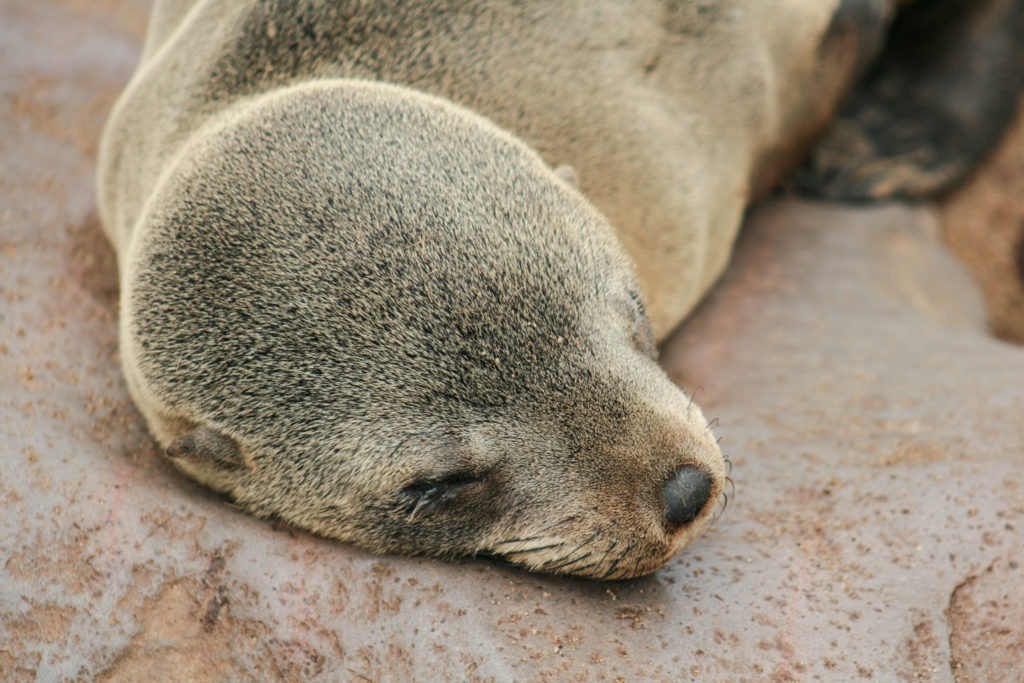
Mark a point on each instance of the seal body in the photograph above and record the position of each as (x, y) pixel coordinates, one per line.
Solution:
(675, 115)
(356, 297)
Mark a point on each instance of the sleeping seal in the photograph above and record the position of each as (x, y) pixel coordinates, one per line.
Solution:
(356, 296)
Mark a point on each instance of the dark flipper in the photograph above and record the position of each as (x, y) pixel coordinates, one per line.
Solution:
(938, 100)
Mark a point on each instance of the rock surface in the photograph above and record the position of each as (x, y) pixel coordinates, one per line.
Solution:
(876, 529)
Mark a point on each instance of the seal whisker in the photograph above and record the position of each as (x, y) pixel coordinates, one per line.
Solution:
(527, 539)
(594, 536)
(568, 559)
(581, 568)
(604, 557)
(614, 568)
(726, 495)
(693, 397)
(534, 549)
(611, 570)
(636, 566)
(721, 508)
(548, 566)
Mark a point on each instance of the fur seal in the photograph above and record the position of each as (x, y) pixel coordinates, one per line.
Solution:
(356, 297)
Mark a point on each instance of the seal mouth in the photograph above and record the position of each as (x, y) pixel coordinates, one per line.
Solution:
(612, 564)
(601, 555)
(548, 555)
(566, 569)
(574, 567)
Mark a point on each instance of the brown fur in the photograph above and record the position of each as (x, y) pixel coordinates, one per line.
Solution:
(350, 302)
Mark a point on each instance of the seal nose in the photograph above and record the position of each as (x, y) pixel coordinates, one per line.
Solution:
(686, 493)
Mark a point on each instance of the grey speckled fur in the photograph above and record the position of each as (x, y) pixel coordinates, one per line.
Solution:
(351, 303)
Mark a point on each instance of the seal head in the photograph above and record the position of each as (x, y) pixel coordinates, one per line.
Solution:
(377, 316)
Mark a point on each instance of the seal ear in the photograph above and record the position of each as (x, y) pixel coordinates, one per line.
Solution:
(204, 445)
(567, 174)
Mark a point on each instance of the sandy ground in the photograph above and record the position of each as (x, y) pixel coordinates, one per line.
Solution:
(875, 428)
